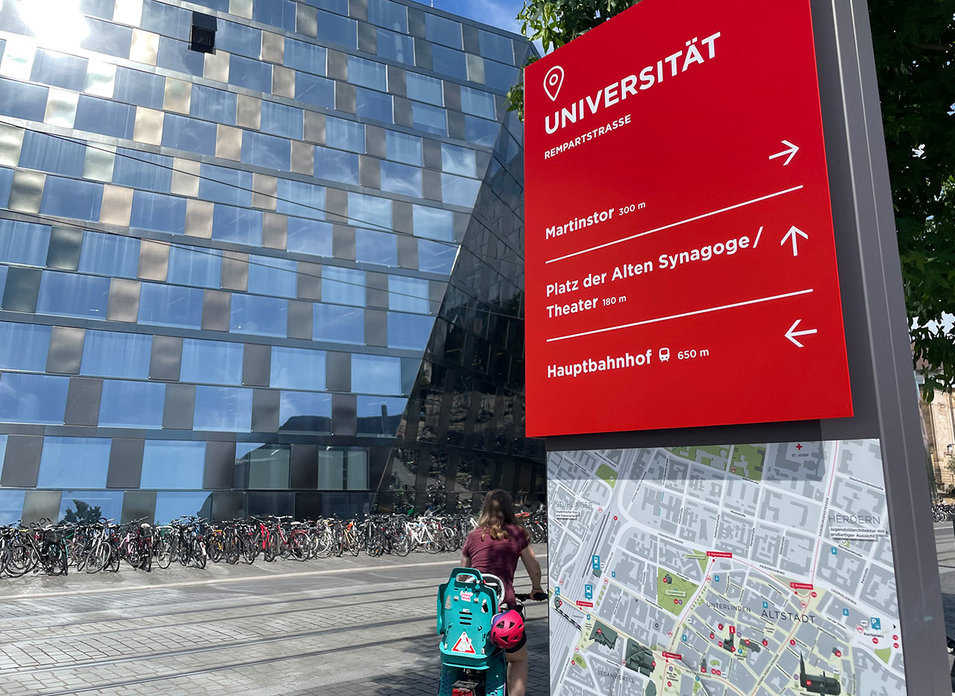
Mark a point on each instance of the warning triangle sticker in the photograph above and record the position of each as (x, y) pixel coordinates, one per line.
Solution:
(463, 645)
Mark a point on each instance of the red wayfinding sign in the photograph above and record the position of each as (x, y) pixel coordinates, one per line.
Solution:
(680, 258)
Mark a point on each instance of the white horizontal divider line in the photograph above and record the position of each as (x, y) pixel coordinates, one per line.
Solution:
(680, 316)
(675, 224)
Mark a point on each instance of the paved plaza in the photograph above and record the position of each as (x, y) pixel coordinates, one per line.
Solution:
(331, 626)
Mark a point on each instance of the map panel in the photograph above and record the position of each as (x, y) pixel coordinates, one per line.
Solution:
(730, 570)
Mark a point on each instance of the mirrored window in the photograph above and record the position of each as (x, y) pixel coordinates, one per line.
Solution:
(223, 408)
(59, 70)
(261, 316)
(373, 105)
(443, 31)
(172, 464)
(367, 73)
(213, 104)
(281, 119)
(343, 286)
(266, 151)
(197, 266)
(108, 38)
(433, 223)
(268, 467)
(24, 242)
(297, 368)
(338, 324)
(337, 30)
(72, 295)
(159, 212)
(400, 178)
(376, 247)
(249, 73)
(33, 398)
(211, 362)
(238, 38)
(175, 55)
(90, 505)
(170, 305)
(304, 56)
(436, 258)
(499, 76)
(424, 88)
(344, 135)
(171, 504)
(375, 374)
(23, 346)
(225, 185)
(356, 469)
(131, 404)
(331, 469)
(95, 115)
(11, 502)
(380, 415)
(458, 190)
(114, 354)
(300, 198)
(496, 46)
(240, 225)
(305, 411)
(161, 18)
(399, 47)
(391, 15)
(410, 331)
(271, 276)
(481, 132)
(458, 160)
(278, 13)
(109, 254)
(142, 170)
(370, 211)
(336, 165)
(402, 147)
(71, 198)
(477, 102)
(22, 100)
(408, 294)
(139, 88)
(313, 90)
(447, 61)
(429, 118)
(183, 133)
(54, 154)
(309, 237)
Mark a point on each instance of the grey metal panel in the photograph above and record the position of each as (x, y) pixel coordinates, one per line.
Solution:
(21, 289)
(359, 10)
(376, 327)
(472, 42)
(422, 54)
(456, 127)
(375, 141)
(416, 24)
(369, 173)
(304, 466)
(235, 270)
(179, 407)
(431, 184)
(344, 414)
(215, 310)
(299, 320)
(315, 127)
(345, 97)
(397, 82)
(165, 359)
(123, 302)
(256, 365)
(66, 350)
(220, 465)
(337, 371)
(376, 293)
(82, 401)
(367, 38)
(125, 463)
(275, 230)
(309, 281)
(226, 506)
(139, 504)
(461, 222)
(153, 260)
(336, 65)
(402, 219)
(409, 373)
(21, 462)
(407, 252)
(39, 505)
(64, 251)
(432, 153)
(336, 205)
(402, 109)
(265, 410)
(452, 95)
(343, 242)
(306, 19)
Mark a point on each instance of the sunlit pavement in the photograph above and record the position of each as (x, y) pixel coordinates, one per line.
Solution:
(329, 626)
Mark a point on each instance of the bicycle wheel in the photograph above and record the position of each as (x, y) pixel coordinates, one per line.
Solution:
(251, 545)
(98, 556)
(165, 552)
(299, 546)
(21, 558)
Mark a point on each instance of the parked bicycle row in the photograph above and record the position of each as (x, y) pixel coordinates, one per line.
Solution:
(943, 512)
(54, 548)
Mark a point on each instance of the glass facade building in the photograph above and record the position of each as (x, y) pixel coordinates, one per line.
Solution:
(258, 256)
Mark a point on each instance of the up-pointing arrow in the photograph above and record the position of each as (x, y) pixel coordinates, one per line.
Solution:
(790, 150)
(793, 233)
(792, 333)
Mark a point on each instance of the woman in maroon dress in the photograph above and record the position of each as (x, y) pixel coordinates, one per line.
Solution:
(494, 547)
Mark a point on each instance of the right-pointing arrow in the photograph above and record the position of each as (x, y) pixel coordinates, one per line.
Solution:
(792, 333)
(793, 233)
(788, 153)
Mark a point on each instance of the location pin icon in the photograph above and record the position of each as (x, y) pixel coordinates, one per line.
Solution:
(552, 81)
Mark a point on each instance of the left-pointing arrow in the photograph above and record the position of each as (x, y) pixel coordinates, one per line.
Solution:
(793, 233)
(792, 333)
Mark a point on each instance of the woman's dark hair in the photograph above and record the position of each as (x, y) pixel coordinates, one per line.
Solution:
(497, 513)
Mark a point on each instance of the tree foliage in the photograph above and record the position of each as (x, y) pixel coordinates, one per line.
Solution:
(914, 44)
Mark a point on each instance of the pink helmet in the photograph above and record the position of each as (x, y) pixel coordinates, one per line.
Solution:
(507, 630)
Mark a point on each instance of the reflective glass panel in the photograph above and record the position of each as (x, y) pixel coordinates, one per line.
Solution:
(131, 404)
(337, 30)
(458, 190)
(356, 470)
(197, 266)
(183, 133)
(278, 13)
(499, 76)
(225, 185)
(23, 346)
(424, 88)
(402, 147)
(395, 46)
(223, 408)
(316, 91)
(59, 70)
(367, 73)
(175, 55)
(477, 102)
(408, 294)
(251, 74)
(376, 247)
(481, 132)
(11, 502)
(280, 119)
(400, 178)
(309, 237)
(71, 295)
(6, 180)
(49, 153)
(213, 104)
(90, 505)
(262, 316)
(112, 354)
(300, 198)
(170, 305)
(108, 38)
(269, 467)
(24, 242)
(139, 88)
(375, 374)
(240, 225)
(371, 211)
(336, 165)
(22, 100)
(109, 254)
(307, 411)
(170, 505)
(238, 38)
(142, 170)
(271, 276)
(338, 324)
(443, 31)
(409, 331)
(433, 223)
(33, 398)
(458, 160)
(213, 362)
(97, 116)
(344, 135)
(266, 151)
(496, 46)
(159, 212)
(447, 61)
(161, 18)
(429, 118)
(171, 464)
(388, 14)
(380, 414)
(373, 105)
(304, 56)
(343, 286)
(71, 198)
(331, 469)
(297, 368)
